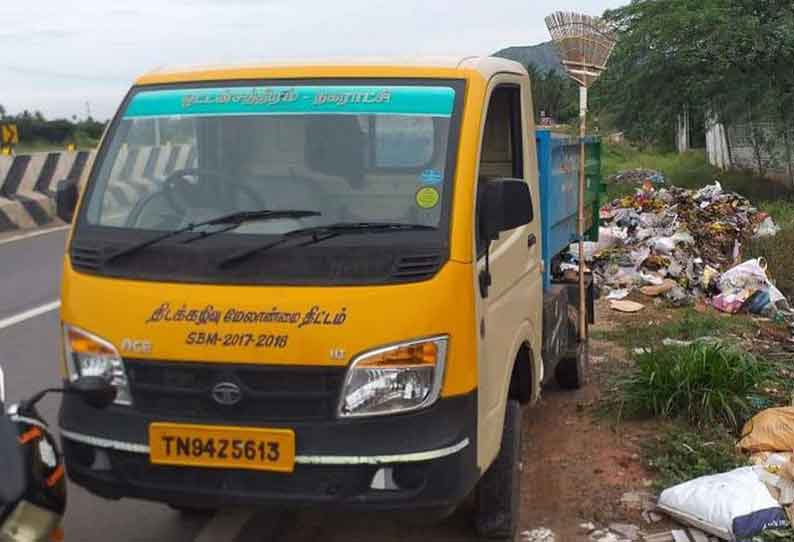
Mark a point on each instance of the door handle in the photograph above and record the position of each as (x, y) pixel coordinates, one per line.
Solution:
(532, 240)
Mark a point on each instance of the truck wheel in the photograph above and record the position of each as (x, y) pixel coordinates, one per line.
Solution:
(571, 371)
(498, 494)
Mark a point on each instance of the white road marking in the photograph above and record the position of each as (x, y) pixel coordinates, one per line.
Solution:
(36, 233)
(225, 525)
(27, 315)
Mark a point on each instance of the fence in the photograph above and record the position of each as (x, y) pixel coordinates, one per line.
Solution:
(761, 147)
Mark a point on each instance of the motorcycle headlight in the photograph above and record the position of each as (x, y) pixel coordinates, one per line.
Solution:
(89, 355)
(395, 379)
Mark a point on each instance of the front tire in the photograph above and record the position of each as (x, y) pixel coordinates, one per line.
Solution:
(498, 494)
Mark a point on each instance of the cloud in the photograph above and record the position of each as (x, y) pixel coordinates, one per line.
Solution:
(93, 50)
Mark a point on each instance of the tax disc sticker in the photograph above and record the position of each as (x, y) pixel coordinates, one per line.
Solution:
(427, 197)
(432, 176)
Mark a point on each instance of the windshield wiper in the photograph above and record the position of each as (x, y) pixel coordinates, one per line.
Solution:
(232, 220)
(321, 233)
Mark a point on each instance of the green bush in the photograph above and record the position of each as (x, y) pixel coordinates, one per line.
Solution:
(705, 383)
(779, 255)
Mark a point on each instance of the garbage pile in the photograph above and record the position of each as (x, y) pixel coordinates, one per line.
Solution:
(639, 177)
(683, 245)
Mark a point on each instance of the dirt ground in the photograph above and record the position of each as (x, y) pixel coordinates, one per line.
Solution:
(578, 463)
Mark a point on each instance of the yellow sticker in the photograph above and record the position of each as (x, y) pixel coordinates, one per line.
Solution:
(427, 197)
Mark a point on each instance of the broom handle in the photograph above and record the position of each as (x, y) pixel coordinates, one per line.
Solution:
(582, 134)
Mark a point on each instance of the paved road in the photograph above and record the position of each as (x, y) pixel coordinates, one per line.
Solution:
(29, 286)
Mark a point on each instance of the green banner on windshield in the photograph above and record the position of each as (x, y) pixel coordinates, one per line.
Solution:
(295, 100)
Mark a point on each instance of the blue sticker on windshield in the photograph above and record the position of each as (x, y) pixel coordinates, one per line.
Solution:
(432, 176)
(294, 100)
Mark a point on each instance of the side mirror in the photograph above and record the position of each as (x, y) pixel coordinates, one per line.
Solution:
(12, 461)
(505, 204)
(95, 391)
(66, 195)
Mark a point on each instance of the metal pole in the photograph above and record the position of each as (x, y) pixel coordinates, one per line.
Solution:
(582, 134)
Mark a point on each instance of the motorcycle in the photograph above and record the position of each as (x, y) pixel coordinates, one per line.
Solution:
(32, 477)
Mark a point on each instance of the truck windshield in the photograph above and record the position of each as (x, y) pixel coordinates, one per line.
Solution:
(351, 153)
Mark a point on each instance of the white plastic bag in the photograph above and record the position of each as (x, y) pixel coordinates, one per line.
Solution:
(735, 505)
(767, 228)
(748, 275)
(664, 245)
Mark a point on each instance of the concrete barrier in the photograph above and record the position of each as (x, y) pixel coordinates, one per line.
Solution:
(28, 182)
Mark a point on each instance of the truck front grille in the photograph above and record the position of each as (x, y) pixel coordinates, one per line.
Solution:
(268, 393)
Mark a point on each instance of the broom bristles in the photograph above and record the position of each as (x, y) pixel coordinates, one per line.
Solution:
(584, 44)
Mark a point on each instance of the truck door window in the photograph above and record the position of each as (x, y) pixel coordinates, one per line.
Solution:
(502, 153)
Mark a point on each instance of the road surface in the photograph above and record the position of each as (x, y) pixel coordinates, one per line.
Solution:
(29, 291)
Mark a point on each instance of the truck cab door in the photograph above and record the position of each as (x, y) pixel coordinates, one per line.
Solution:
(510, 310)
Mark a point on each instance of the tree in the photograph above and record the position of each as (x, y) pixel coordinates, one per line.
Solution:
(553, 93)
(733, 56)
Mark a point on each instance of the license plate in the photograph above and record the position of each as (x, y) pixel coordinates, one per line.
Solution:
(222, 447)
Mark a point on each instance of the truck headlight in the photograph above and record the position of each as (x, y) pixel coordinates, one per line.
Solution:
(395, 379)
(89, 355)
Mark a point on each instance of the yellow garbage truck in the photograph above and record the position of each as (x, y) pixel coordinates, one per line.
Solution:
(314, 284)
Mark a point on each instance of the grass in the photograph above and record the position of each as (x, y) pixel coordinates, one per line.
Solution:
(26, 147)
(705, 384)
(782, 210)
(779, 254)
(688, 325)
(688, 169)
(678, 455)
(692, 170)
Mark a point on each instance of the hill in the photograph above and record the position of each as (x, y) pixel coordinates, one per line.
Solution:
(543, 55)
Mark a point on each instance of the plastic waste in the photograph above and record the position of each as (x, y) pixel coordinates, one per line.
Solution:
(767, 228)
(771, 430)
(675, 342)
(678, 297)
(750, 274)
(709, 274)
(654, 280)
(664, 245)
(731, 303)
(709, 192)
(618, 294)
(684, 237)
(758, 302)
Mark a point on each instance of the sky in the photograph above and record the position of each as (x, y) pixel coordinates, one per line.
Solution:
(66, 60)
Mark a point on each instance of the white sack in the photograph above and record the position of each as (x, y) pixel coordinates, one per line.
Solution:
(734, 505)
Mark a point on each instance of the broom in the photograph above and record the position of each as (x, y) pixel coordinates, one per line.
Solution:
(584, 44)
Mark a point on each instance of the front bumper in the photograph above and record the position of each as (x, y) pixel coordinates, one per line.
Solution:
(430, 456)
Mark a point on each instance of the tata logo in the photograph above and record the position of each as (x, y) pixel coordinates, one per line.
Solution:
(227, 393)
